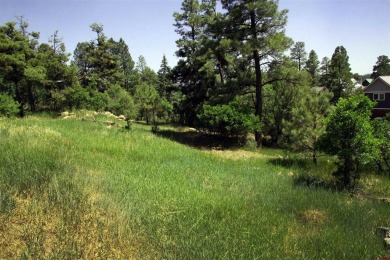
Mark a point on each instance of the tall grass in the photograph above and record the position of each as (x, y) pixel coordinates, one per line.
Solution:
(150, 197)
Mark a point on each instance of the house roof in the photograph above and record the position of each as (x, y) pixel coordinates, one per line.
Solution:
(384, 79)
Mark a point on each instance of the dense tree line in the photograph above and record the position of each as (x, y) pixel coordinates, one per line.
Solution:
(233, 77)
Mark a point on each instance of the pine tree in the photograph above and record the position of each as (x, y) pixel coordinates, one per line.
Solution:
(298, 54)
(382, 67)
(164, 79)
(190, 72)
(312, 66)
(339, 73)
(257, 31)
(307, 121)
(325, 71)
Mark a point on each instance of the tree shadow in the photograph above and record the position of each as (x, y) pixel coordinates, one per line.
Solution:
(290, 162)
(312, 181)
(310, 174)
(201, 140)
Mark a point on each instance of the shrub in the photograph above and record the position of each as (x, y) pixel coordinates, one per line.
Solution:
(233, 119)
(349, 136)
(8, 107)
(382, 134)
(120, 102)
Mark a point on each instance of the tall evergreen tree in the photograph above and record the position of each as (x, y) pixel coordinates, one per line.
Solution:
(340, 73)
(164, 78)
(99, 65)
(299, 54)
(126, 64)
(382, 67)
(312, 66)
(15, 53)
(257, 31)
(325, 71)
(191, 24)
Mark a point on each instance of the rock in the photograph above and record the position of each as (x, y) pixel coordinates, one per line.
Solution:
(387, 243)
(65, 113)
(121, 117)
(109, 123)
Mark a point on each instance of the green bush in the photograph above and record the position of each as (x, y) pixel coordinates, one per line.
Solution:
(8, 107)
(120, 102)
(349, 136)
(382, 133)
(233, 119)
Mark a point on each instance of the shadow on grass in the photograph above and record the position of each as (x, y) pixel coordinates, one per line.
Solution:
(309, 174)
(316, 182)
(299, 163)
(202, 140)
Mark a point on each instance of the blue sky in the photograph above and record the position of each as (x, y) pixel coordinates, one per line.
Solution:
(361, 26)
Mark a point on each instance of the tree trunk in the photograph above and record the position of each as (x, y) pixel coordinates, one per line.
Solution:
(347, 172)
(314, 155)
(258, 83)
(19, 98)
(31, 98)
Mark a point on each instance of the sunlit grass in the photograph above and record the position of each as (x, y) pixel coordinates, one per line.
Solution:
(93, 191)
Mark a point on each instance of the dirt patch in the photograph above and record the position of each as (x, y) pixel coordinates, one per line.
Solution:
(239, 154)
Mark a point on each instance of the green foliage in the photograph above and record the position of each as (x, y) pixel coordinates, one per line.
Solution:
(381, 132)
(120, 102)
(307, 121)
(8, 107)
(382, 67)
(312, 66)
(147, 101)
(339, 81)
(281, 97)
(299, 54)
(349, 136)
(233, 119)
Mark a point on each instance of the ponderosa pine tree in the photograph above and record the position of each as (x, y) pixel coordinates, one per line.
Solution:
(194, 80)
(382, 67)
(256, 29)
(299, 54)
(126, 64)
(340, 73)
(325, 72)
(281, 97)
(99, 67)
(165, 83)
(307, 122)
(15, 53)
(312, 66)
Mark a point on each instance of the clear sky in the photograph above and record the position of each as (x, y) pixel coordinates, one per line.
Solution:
(361, 26)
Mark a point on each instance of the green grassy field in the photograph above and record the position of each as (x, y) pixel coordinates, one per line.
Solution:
(78, 189)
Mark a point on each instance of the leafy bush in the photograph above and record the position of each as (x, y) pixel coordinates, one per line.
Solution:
(382, 133)
(120, 102)
(233, 119)
(8, 107)
(349, 136)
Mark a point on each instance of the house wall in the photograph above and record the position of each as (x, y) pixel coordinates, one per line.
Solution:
(380, 104)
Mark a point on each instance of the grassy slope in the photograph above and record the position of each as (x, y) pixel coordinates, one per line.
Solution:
(151, 197)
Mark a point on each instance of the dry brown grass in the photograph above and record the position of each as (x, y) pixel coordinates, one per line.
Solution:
(35, 230)
(239, 154)
(312, 217)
